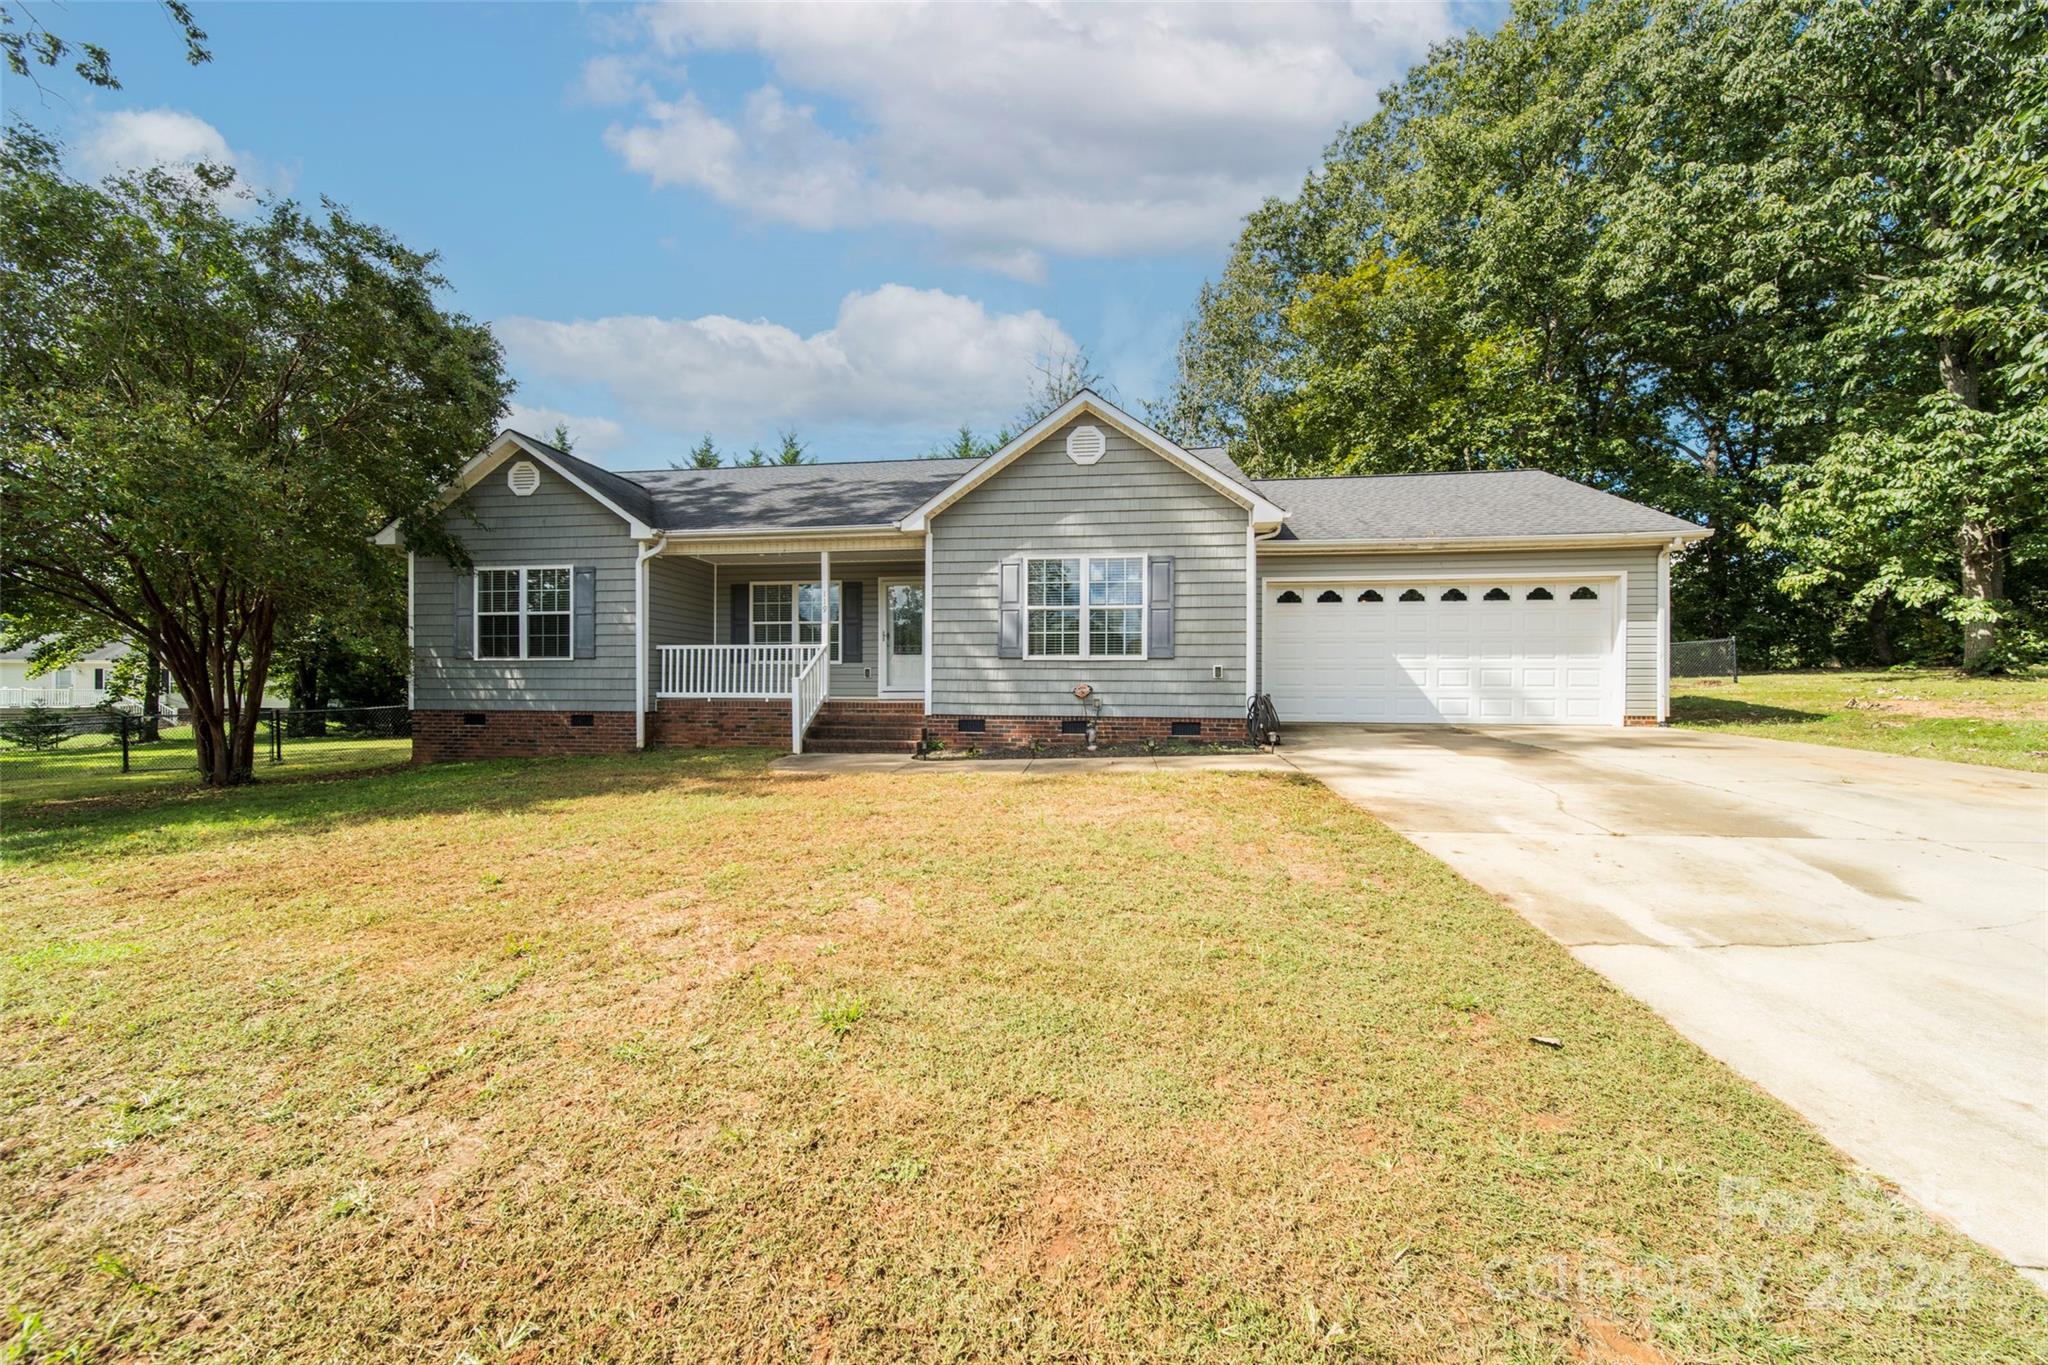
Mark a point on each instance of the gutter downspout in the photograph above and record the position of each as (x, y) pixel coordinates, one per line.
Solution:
(1251, 611)
(927, 619)
(648, 551)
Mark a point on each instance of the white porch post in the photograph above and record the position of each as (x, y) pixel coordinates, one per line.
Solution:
(825, 616)
(640, 642)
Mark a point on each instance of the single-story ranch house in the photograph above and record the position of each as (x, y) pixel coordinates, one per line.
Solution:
(1091, 572)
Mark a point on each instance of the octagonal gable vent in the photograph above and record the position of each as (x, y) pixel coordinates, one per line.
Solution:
(523, 477)
(1085, 445)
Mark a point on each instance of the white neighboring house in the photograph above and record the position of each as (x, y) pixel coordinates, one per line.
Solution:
(86, 683)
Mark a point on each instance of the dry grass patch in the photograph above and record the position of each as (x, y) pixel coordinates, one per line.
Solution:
(674, 1058)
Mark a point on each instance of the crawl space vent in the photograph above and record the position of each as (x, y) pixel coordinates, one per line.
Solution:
(1085, 445)
(523, 477)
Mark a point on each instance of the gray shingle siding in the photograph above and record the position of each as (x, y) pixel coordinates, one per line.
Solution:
(678, 609)
(1130, 501)
(1640, 627)
(849, 679)
(556, 525)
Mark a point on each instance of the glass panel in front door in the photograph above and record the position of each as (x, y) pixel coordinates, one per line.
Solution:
(906, 620)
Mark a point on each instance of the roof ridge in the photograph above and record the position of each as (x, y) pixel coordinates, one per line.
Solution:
(816, 464)
(1410, 474)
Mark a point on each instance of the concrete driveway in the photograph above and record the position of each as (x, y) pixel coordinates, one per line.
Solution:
(1864, 936)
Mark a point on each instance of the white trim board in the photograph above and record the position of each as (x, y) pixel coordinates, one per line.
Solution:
(1608, 541)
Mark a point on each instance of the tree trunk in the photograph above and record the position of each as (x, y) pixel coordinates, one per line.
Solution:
(1982, 550)
(1880, 634)
(1980, 545)
(152, 695)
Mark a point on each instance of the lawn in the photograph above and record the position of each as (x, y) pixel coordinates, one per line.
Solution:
(1928, 713)
(89, 765)
(676, 1057)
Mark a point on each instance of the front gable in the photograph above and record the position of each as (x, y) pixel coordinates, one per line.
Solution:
(1081, 436)
(491, 472)
(1086, 474)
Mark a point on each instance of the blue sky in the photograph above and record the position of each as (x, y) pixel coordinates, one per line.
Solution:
(862, 223)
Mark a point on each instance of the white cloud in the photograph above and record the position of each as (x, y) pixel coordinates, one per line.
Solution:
(594, 436)
(621, 78)
(895, 358)
(135, 139)
(1016, 130)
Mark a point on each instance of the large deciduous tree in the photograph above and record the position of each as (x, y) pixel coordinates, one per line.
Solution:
(1935, 480)
(1695, 253)
(209, 407)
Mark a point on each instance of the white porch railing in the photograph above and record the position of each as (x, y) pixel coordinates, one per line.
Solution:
(50, 696)
(732, 670)
(800, 673)
(806, 695)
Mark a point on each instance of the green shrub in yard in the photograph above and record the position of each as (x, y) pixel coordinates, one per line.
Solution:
(38, 727)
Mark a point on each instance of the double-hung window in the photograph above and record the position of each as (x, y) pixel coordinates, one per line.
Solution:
(1085, 607)
(785, 613)
(522, 613)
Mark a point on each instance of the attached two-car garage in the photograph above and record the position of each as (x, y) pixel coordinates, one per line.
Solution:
(1467, 651)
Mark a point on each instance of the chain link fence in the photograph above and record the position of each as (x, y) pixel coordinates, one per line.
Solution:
(48, 754)
(1704, 659)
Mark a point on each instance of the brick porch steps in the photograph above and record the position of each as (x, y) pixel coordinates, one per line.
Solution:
(865, 726)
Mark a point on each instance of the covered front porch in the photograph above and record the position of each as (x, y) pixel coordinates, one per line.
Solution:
(766, 638)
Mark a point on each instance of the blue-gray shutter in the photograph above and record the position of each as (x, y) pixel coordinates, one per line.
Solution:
(741, 600)
(465, 615)
(583, 599)
(852, 628)
(1010, 609)
(1159, 608)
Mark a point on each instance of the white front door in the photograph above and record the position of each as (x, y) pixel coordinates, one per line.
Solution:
(1473, 652)
(903, 638)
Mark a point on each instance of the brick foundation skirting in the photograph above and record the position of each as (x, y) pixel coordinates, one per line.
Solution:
(446, 736)
(1639, 720)
(1021, 732)
(719, 722)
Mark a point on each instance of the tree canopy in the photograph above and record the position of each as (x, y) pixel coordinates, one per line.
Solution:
(1765, 263)
(206, 415)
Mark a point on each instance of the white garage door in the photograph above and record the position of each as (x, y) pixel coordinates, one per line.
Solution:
(1422, 652)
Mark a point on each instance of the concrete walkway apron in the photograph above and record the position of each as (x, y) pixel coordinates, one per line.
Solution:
(1863, 935)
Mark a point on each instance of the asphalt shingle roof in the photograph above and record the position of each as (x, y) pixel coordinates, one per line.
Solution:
(1457, 506)
(1454, 506)
(795, 497)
